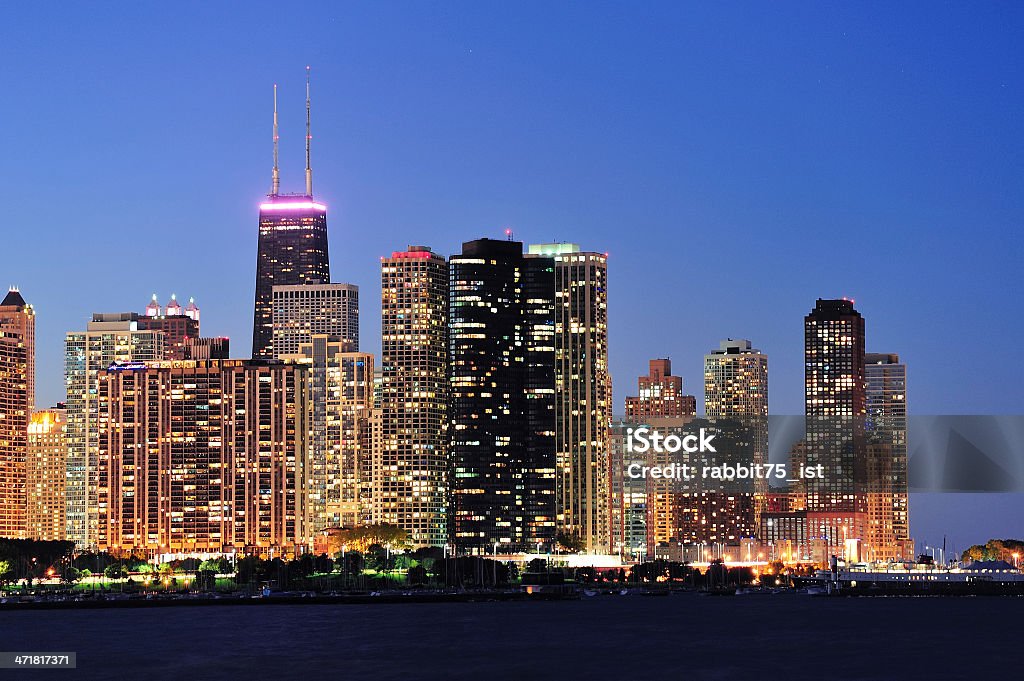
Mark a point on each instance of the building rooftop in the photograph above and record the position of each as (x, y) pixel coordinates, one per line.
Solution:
(14, 299)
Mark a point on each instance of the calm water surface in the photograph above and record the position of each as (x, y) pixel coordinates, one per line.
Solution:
(604, 637)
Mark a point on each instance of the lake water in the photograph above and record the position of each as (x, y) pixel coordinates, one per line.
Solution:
(604, 637)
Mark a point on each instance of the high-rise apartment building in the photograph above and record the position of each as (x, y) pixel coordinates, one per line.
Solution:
(179, 324)
(202, 457)
(736, 381)
(888, 516)
(306, 310)
(736, 389)
(292, 246)
(628, 512)
(411, 456)
(583, 399)
(502, 352)
(207, 348)
(108, 338)
(19, 317)
(14, 400)
(338, 474)
(834, 399)
(783, 520)
(660, 394)
(661, 405)
(44, 474)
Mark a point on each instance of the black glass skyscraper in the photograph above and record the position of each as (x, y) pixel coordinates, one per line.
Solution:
(502, 359)
(834, 400)
(292, 247)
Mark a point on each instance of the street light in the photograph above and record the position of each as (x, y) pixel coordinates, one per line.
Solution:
(1015, 557)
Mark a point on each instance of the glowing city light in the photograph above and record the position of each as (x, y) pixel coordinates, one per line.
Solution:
(292, 205)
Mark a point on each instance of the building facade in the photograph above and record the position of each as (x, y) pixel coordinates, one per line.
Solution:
(583, 399)
(292, 249)
(888, 512)
(736, 381)
(834, 401)
(292, 245)
(502, 353)
(202, 458)
(339, 471)
(628, 509)
(736, 389)
(411, 456)
(179, 324)
(19, 317)
(108, 338)
(45, 471)
(207, 348)
(306, 310)
(660, 394)
(14, 416)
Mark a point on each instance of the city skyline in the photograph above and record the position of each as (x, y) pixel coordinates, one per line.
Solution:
(692, 324)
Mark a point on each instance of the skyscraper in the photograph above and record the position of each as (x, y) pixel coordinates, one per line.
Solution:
(338, 475)
(835, 409)
(502, 350)
(411, 456)
(179, 324)
(736, 381)
(888, 515)
(583, 399)
(660, 395)
(736, 389)
(628, 512)
(306, 310)
(200, 457)
(292, 246)
(19, 317)
(13, 432)
(207, 348)
(44, 476)
(660, 404)
(108, 338)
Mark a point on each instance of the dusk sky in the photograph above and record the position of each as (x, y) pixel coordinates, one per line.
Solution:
(736, 161)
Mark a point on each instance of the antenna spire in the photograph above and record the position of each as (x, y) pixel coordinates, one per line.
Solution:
(309, 169)
(275, 185)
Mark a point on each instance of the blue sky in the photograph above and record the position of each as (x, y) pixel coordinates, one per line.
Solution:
(736, 160)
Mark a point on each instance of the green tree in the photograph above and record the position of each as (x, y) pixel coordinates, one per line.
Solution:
(996, 549)
(248, 570)
(322, 565)
(70, 575)
(569, 542)
(212, 565)
(417, 575)
(115, 572)
(380, 558)
(428, 552)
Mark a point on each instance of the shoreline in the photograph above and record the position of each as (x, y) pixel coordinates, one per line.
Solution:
(385, 598)
(284, 599)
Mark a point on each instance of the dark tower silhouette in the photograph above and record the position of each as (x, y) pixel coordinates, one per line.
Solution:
(834, 400)
(292, 247)
(502, 368)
